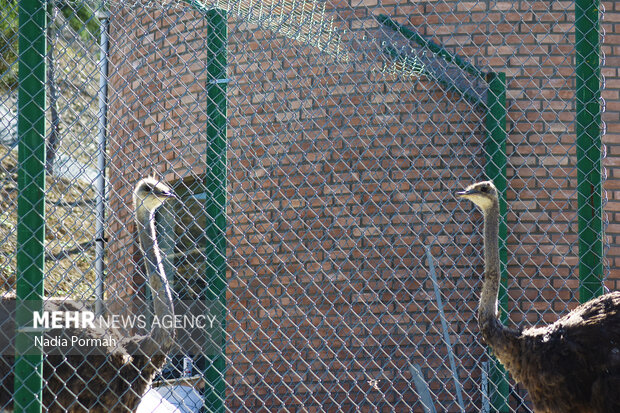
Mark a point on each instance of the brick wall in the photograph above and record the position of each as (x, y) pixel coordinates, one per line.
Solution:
(340, 175)
(157, 120)
(611, 138)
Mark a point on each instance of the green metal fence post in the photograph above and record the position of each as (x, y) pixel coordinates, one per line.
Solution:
(217, 41)
(31, 201)
(588, 129)
(495, 121)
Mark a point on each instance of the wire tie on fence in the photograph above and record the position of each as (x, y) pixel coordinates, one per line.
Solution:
(218, 81)
(32, 329)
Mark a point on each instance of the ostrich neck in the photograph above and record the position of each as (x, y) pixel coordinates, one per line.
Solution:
(158, 284)
(490, 286)
(504, 341)
(496, 335)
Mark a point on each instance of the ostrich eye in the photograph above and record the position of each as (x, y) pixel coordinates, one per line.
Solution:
(484, 189)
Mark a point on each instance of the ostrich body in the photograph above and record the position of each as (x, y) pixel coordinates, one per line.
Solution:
(110, 379)
(572, 365)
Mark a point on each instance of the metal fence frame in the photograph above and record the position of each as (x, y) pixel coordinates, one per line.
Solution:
(31, 208)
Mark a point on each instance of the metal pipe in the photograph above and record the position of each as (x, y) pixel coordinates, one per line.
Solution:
(588, 130)
(103, 16)
(31, 128)
(484, 388)
(446, 333)
(421, 387)
(495, 148)
(215, 205)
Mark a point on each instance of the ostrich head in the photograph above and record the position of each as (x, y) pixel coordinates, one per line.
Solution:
(150, 194)
(483, 194)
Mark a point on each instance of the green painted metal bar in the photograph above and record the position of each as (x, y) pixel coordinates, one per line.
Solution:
(215, 182)
(30, 201)
(588, 130)
(495, 121)
(430, 45)
(398, 56)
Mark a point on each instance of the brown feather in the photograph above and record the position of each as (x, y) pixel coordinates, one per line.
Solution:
(108, 379)
(570, 366)
(573, 365)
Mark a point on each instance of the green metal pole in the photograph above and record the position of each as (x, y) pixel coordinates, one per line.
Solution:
(495, 121)
(217, 41)
(588, 129)
(30, 201)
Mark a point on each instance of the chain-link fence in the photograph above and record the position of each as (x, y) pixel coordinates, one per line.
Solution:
(314, 148)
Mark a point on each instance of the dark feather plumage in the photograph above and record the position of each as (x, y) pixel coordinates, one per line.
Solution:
(570, 366)
(108, 379)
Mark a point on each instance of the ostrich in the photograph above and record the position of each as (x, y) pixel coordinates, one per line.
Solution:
(572, 365)
(109, 378)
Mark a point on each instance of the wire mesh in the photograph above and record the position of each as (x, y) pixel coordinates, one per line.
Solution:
(350, 125)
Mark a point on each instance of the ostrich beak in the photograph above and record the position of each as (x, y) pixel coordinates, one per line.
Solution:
(166, 195)
(170, 195)
(466, 193)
